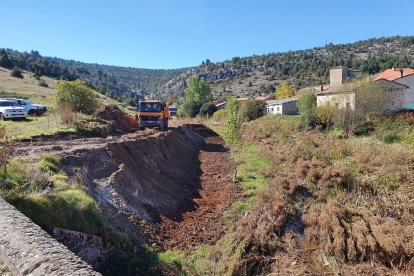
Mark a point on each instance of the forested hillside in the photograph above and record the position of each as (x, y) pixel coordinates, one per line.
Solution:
(122, 83)
(239, 76)
(261, 74)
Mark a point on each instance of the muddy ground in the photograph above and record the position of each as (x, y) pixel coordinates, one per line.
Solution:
(169, 189)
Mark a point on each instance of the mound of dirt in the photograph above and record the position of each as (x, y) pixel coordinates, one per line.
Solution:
(114, 114)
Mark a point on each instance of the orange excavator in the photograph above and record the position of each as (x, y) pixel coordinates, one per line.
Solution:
(153, 113)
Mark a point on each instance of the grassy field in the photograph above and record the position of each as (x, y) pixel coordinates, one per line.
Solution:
(29, 88)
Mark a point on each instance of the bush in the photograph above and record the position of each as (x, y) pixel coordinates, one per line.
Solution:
(337, 133)
(233, 122)
(207, 110)
(16, 73)
(66, 114)
(325, 115)
(307, 108)
(390, 138)
(76, 95)
(252, 110)
(219, 115)
(42, 83)
(49, 164)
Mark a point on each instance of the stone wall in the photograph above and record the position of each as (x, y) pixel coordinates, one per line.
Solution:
(27, 249)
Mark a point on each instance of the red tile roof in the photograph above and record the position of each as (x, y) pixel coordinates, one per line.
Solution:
(395, 73)
(265, 98)
(297, 97)
(243, 100)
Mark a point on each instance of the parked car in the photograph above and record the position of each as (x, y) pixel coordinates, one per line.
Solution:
(32, 109)
(10, 110)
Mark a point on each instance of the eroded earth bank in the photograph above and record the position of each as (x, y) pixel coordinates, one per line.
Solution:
(165, 189)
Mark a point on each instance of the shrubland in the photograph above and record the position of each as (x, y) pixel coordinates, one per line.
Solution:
(318, 203)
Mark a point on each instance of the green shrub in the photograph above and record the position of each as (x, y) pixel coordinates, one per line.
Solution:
(337, 133)
(76, 95)
(219, 115)
(42, 83)
(252, 110)
(325, 115)
(233, 123)
(307, 108)
(390, 138)
(207, 110)
(172, 257)
(16, 73)
(49, 164)
(22, 176)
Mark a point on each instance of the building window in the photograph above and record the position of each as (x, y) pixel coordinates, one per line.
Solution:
(348, 105)
(278, 108)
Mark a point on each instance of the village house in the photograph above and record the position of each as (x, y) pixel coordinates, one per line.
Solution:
(345, 95)
(403, 76)
(282, 107)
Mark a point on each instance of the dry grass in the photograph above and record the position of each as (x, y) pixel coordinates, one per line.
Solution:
(353, 200)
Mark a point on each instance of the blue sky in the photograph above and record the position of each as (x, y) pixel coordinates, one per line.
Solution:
(174, 33)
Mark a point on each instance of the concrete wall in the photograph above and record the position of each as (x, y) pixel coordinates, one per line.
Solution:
(288, 108)
(338, 100)
(337, 76)
(340, 75)
(26, 249)
(274, 109)
(395, 95)
(409, 92)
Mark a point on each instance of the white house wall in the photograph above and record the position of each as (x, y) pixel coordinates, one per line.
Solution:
(338, 100)
(409, 92)
(288, 108)
(275, 109)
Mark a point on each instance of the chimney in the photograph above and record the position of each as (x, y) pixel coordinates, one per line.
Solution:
(321, 88)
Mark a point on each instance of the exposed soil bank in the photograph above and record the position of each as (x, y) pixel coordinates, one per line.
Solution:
(217, 192)
(169, 189)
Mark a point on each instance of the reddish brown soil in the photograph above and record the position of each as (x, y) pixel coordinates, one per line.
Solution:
(218, 191)
(113, 113)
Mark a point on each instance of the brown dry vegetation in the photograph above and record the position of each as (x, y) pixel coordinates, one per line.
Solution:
(330, 206)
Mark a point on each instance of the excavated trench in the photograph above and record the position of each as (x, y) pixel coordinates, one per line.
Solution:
(160, 188)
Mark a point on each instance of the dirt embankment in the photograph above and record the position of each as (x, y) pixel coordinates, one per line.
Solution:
(114, 114)
(168, 188)
(217, 192)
